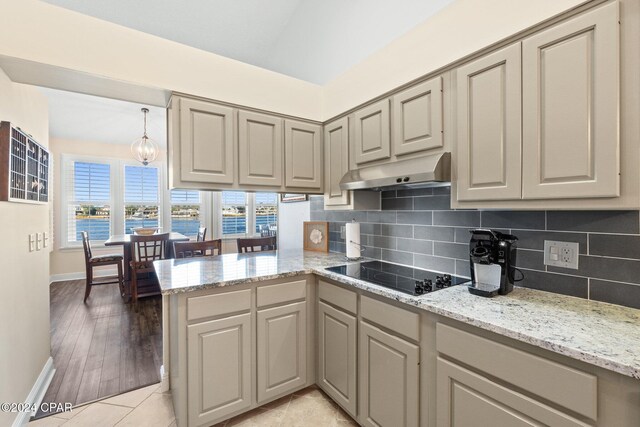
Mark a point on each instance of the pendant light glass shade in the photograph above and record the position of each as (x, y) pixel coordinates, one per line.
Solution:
(144, 150)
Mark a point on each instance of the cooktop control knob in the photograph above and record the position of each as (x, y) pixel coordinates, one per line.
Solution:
(419, 289)
(447, 280)
(428, 285)
(439, 282)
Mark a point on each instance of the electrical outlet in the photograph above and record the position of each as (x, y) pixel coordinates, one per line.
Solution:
(561, 254)
(343, 232)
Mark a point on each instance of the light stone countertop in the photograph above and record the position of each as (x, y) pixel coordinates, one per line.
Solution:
(601, 334)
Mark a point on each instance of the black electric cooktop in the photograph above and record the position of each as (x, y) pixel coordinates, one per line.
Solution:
(413, 281)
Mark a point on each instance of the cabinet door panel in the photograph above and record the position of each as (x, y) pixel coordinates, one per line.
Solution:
(303, 155)
(260, 142)
(467, 399)
(282, 350)
(336, 163)
(417, 118)
(206, 142)
(219, 375)
(570, 108)
(372, 139)
(489, 126)
(337, 355)
(389, 379)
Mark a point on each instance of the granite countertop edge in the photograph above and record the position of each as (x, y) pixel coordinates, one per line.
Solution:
(433, 303)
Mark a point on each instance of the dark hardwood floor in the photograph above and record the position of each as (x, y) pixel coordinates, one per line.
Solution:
(103, 347)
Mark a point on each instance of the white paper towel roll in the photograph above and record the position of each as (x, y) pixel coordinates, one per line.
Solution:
(353, 240)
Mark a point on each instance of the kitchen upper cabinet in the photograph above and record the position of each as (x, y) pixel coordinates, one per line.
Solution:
(336, 160)
(260, 148)
(489, 127)
(417, 118)
(219, 374)
(337, 340)
(206, 142)
(282, 350)
(372, 137)
(303, 155)
(570, 108)
(389, 379)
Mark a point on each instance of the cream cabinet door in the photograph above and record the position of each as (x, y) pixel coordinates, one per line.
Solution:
(417, 118)
(282, 350)
(467, 399)
(389, 379)
(303, 155)
(206, 142)
(337, 355)
(261, 153)
(571, 108)
(489, 126)
(336, 162)
(219, 374)
(372, 137)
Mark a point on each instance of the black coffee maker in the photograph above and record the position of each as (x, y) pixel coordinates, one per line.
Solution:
(492, 256)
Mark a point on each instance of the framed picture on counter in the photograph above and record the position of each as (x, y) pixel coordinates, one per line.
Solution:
(290, 198)
(316, 236)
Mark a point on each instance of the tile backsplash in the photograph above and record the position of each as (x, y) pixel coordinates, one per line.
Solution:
(417, 227)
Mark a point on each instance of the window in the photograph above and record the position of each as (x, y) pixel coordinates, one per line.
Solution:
(141, 197)
(234, 212)
(248, 213)
(89, 202)
(186, 212)
(266, 212)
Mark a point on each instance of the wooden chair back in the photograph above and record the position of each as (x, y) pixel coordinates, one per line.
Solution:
(264, 243)
(202, 234)
(146, 249)
(197, 249)
(86, 245)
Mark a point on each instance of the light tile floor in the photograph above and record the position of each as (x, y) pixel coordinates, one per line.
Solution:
(150, 407)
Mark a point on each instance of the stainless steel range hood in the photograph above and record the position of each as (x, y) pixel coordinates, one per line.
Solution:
(419, 172)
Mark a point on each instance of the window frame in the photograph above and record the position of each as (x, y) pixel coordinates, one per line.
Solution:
(204, 202)
(117, 202)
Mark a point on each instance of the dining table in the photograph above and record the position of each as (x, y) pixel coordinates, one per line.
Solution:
(125, 241)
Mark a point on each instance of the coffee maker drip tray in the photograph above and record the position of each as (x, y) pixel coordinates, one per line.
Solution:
(484, 289)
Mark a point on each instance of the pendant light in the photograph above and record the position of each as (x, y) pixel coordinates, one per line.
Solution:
(144, 149)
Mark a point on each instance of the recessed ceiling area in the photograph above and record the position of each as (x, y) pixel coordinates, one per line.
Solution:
(310, 40)
(82, 117)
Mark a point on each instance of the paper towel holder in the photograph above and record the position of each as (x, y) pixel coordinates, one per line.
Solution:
(362, 249)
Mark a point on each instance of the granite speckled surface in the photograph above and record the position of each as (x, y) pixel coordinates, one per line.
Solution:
(601, 334)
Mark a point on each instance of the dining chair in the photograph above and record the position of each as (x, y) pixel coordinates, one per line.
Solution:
(202, 233)
(263, 243)
(91, 261)
(197, 249)
(144, 251)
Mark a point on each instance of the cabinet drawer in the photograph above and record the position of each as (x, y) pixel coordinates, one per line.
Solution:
(218, 304)
(282, 292)
(346, 300)
(396, 319)
(563, 385)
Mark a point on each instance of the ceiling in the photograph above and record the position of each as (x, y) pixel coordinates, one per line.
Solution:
(90, 118)
(312, 40)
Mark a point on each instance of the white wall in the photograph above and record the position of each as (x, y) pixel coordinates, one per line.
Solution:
(24, 282)
(66, 39)
(462, 28)
(290, 219)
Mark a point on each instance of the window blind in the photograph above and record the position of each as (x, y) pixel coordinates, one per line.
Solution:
(89, 200)
(186, 212)
(266, 212)
(141, 197)
(234, 212)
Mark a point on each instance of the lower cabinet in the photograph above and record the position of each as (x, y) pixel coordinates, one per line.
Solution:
(282, 349)
(219, 374)
(389, 379)
(337, 360)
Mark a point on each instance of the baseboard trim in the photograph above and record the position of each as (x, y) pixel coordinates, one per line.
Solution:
(81, 275)
(37, 393)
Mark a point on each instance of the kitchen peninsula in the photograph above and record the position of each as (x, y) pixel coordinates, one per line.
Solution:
(246, 329)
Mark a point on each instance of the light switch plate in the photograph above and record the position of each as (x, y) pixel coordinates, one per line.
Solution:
(32, 242)
(343, 231)
(561, 254)
(38, 241)
(45, 239)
